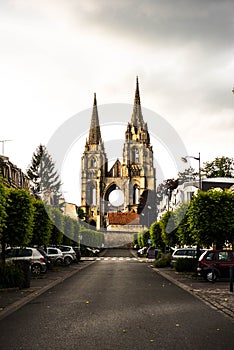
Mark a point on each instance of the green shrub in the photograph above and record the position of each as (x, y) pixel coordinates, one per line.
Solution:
(186, 265)
(163, 261)
(11, 276)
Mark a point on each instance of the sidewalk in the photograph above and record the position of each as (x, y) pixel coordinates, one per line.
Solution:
(12, 299)
(216, 295)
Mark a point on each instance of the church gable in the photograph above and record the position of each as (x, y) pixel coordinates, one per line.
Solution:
(116, 170)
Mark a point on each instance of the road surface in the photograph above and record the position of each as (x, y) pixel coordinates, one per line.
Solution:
(116, 303)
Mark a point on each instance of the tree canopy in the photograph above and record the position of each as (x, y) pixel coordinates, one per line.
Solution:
(45, 182)
(219, 167)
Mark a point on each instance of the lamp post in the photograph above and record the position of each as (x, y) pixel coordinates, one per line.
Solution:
(185, 160)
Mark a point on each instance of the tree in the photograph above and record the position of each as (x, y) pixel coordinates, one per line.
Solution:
(183, 228)
(20, 211)
(220, 167)
(188, 174)
(156, 235)
(166, 188)
(169, 231)
(42, 225)
(58, 226)
(3, 215)
(45, 182)
(211, 217)
(143, 237)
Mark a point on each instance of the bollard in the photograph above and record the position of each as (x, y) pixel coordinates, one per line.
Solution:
(231, 278)
(212, 270)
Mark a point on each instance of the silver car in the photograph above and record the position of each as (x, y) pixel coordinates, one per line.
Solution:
(69, 255)
(38, 264)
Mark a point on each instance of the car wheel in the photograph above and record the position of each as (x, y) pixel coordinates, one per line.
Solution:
(67, 260)
(59, 261)
(36, 269)
(209, 276)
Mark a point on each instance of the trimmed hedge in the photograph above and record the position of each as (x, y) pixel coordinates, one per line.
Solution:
(11, 276)
(163, 261)
(186, 265)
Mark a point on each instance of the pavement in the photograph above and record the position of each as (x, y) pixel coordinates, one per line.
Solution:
(216, 295)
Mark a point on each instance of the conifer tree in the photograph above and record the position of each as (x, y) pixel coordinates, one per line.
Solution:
(45, 182)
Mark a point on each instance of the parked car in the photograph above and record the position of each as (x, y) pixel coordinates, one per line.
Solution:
(142, 251)
(69, 255)
(215, 264)
(152, 253)
(38, 263)
(55, 255)
(184, 253)
(47, 259)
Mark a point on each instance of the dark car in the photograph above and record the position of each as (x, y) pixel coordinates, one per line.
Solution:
(152, 253)
(215, 264)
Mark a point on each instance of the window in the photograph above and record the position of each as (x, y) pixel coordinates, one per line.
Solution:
(135, 194)
(224, 256)
(93, 163)
(210, 256)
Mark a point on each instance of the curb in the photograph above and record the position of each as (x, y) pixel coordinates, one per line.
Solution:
(26, 299)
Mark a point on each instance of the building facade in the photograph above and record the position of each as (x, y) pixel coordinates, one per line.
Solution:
(127, 180)
(11, 175)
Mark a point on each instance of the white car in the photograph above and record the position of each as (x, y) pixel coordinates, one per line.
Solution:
(184, 253)
(55, 255)
(37, 260)
(69, 255)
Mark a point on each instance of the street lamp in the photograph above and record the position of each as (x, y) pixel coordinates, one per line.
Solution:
(185, 160)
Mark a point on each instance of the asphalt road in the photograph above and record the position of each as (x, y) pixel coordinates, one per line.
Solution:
(116, 304)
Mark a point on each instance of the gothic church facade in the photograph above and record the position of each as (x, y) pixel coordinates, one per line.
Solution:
(129, 179)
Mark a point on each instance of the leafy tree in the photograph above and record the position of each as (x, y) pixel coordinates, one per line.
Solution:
(220, 167)
(45, 182)
(76, 232)
(58, 226)
(20, 212)
(188, 174)
(80, 213)
(183, 228)
(3, 215)
(143, 237)
(166, 188)
(68, 226)
(169, 231)
(91, 238)
(156, 235)
(211, 217)
(42, 225)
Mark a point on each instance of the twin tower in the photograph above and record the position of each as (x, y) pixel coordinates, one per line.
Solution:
(126, 182)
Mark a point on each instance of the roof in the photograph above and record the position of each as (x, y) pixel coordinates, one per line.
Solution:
(119, 218)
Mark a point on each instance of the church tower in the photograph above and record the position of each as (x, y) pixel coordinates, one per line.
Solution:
(138, 155)
(94, 167)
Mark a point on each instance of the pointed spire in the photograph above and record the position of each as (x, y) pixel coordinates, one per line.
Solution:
(94, 131)
(137, 118)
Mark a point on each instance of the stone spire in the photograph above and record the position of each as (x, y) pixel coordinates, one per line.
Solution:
(94, 131)
(137, 118)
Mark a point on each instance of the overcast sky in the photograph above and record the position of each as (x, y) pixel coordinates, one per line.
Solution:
(55, 54)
